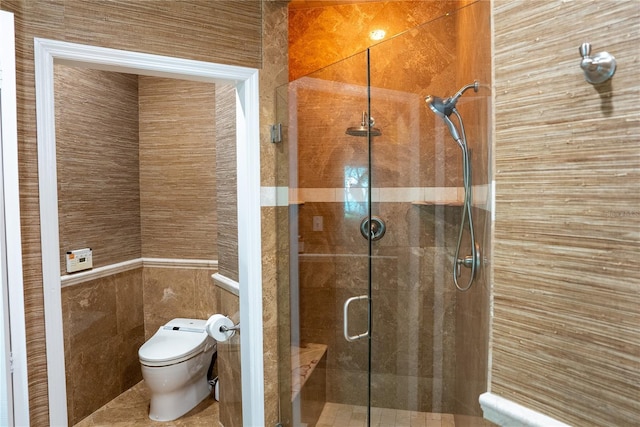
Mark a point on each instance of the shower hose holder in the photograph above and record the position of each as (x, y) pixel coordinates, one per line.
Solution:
(598, 68)
(469, 261)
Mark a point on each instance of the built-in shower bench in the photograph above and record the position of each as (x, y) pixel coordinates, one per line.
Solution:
(308, 380)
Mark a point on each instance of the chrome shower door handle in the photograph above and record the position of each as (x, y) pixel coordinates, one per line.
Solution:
(348, 337)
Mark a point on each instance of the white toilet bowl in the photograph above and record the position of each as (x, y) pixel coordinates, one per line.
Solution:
(174, 364)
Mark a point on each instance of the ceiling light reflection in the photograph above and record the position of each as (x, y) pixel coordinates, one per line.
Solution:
(377, 34)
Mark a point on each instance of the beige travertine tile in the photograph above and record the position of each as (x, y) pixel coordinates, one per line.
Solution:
(340, 415)
(204, 294)
(168, 293)
(101, 342)
(349, 21)
(229, 375)
(129, 302)
(412, 341)
(229, 363)
(131, 408)
(273, 73)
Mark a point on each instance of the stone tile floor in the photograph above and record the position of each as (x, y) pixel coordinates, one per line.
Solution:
(338, 415)
(131, 408)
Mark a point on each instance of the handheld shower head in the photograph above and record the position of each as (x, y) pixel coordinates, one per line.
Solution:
(439, 106)
(445, 107)
(452, 129)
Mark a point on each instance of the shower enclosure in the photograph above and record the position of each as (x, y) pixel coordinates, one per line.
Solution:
(374, 321)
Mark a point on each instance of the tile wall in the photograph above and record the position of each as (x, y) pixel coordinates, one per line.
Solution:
(473, 307)
(418, 332)
(103, 323)
(274, 218)
(403, 301)
(171, 292)
(106, 321)
(229, 374)
(341, 30)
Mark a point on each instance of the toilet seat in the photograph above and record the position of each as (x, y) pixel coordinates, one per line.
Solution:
(177, 341)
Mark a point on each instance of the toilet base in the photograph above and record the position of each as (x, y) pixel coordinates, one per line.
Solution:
(176, 377)
(172, 405)
(177, 389)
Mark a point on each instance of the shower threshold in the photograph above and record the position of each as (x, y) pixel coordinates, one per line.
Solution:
(340, 415)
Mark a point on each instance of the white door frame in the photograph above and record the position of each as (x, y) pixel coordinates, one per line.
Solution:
(48, 52)
(11, 264)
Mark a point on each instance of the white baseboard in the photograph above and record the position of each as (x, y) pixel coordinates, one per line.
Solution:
(504, 412)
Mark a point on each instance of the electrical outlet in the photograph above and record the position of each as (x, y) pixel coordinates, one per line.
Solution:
(317, 223)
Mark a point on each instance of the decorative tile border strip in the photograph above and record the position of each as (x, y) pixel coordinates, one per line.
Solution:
(284, 196)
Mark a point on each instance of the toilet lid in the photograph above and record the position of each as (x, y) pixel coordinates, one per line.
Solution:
(175, 341)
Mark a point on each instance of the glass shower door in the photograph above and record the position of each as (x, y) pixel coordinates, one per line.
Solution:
(327, 144)
(379, 334)
(428, 340)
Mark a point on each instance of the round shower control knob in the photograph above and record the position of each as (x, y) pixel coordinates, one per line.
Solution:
(374, 229)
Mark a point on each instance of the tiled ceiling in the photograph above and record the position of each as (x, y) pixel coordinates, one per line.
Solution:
(306, 4)
(321, 35)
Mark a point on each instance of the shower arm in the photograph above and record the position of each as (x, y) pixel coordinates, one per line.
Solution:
(475, 86)
(471, 261)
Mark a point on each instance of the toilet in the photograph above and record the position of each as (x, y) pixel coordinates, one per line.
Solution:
(175, 361)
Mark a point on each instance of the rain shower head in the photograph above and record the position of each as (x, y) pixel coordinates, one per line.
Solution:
(365, 128)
